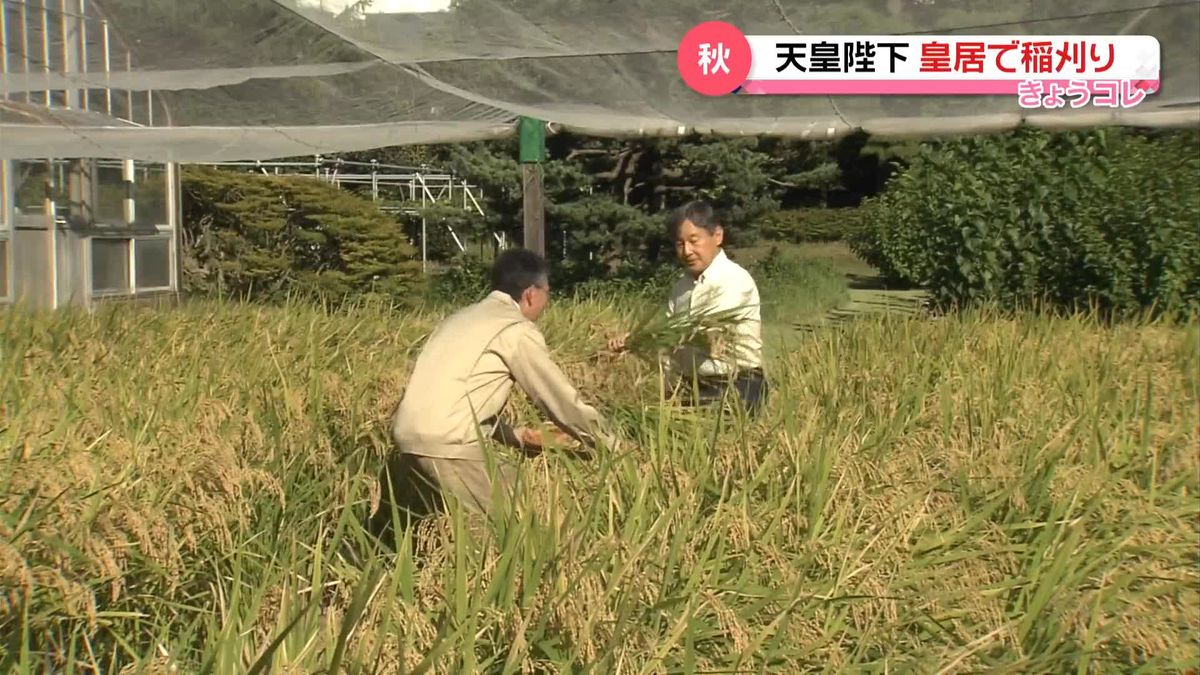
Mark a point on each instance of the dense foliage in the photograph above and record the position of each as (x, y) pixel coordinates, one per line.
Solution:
(809, 225)
(266, 237)
(605, 199)
(1107, 218)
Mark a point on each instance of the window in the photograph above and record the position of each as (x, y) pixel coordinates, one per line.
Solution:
(152, 263)
(110, 193)
(121, 265)
(150, 194)
(30, 180)
(110, 265)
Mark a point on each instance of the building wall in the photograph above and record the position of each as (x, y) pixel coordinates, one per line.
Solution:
(81, 231)
(102, 230)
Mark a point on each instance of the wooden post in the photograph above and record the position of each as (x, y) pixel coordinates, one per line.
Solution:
(534, 208)
(533, 150)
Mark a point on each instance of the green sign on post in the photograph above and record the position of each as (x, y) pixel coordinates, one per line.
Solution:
(533, 140)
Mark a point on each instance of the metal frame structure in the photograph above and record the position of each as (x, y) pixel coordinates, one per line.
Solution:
(412, 185)
(68, 236)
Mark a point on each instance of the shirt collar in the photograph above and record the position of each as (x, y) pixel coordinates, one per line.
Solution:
(501, 296)
(714, 268)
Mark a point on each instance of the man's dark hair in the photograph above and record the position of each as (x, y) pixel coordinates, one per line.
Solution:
(701, 214)
(516, 270)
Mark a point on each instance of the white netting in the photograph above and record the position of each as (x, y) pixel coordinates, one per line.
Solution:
(256, 79)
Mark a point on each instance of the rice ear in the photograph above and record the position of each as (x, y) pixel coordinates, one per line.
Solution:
(658, 332)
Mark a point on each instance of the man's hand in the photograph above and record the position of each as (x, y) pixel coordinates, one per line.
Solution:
(557, 438)
(537, 439)
(530, 437)
(619, 344)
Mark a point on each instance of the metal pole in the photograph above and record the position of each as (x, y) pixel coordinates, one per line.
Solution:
(52, 214)
(132, 266)
(83, 52)
(129, 92)
(424, 248)
(4, 37)
(69, 25)
(173, 222)
(25, 46)
(46, 44)
(128, 176)
(107, 70)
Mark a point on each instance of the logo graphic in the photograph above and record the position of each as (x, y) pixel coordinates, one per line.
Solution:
(1039, 71)
(714, 58)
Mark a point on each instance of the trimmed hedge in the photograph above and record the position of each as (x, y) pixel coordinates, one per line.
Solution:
(1107, 218)
(810, 225)
(272, 237)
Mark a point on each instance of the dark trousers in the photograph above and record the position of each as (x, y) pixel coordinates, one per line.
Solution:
(750, 387)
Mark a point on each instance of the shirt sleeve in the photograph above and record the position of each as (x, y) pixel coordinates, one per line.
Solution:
(543, 381)
(735, 294)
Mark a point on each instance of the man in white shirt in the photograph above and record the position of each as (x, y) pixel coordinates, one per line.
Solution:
(714, 283)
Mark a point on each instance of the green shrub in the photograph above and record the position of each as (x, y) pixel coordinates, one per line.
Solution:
(464, 280)
(1104, 218)
(271, 237)
(809, 225)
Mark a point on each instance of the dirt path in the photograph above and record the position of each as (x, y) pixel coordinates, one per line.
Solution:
(867, 294)
(870, 302)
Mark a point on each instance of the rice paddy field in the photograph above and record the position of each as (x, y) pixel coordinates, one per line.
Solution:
(181, 491)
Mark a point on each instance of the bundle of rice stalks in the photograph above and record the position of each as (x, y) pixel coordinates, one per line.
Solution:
(658, 333)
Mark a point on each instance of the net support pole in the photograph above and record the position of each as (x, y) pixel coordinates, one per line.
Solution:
(532, 152)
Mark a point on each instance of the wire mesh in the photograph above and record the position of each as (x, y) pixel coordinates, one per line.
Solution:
(168, 80)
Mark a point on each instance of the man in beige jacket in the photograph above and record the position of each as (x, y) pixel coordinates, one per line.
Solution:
(460, 383)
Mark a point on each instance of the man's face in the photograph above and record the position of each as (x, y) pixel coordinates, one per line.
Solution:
(534, 300)
(696, 248)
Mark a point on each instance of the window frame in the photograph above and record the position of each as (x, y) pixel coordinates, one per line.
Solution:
(135, 242)
(91, 266)
(131, 233)
(131, 288)
(6, 230)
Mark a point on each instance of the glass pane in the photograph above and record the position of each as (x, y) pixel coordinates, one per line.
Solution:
(3, 268)
(150, 191)
(60, 185)
(29, 181)
(110, 193)
(153, 263)
(110, 265)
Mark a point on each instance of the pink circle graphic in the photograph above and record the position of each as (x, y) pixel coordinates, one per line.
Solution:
(714, 58)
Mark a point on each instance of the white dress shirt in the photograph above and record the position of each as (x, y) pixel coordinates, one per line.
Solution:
(724, 286)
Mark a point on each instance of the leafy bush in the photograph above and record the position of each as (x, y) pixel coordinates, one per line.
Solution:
(1106, 218)
(440, 219)
(269, 237)
(464, 280)
(807, 225)
(603, 239)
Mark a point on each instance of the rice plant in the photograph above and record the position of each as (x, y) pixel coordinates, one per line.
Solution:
(184, 491)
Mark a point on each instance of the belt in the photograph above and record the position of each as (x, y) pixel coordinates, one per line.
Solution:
(739, 375)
